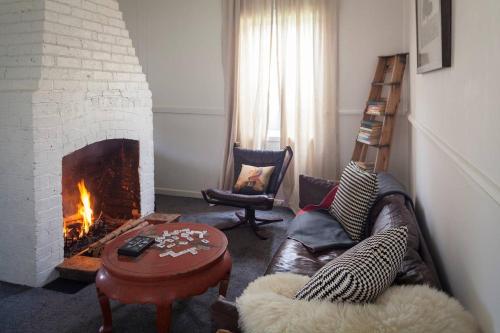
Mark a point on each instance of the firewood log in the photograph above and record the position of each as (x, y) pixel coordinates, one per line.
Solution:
(140, 226)
(96, 248)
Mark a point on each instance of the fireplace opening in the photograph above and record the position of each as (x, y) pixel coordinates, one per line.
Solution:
(100, 191)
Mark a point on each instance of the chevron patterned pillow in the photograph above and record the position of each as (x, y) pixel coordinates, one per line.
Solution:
(357, 192)
(361, 273)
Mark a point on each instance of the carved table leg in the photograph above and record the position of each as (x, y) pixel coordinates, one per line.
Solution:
(106, 313)
(163, 317)
(224, 284)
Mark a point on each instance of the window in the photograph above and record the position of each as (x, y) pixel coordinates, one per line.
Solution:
(276, 52)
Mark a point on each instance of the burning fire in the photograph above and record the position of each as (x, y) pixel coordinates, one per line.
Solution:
(84, 208)
(85, 212)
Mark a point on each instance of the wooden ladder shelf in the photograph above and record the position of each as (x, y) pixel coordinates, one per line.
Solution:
(378, 117)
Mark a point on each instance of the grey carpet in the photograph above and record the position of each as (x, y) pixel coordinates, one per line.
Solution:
(41, 310)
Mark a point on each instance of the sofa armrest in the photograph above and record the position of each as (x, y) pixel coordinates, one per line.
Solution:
(225, 315)
(312, 190)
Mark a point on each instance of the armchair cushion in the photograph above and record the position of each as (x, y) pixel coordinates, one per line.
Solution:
(267, 305)
(243, 199)
(253, 179)
(260, 158)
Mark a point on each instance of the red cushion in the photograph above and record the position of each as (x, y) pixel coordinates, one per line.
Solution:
(324, 204)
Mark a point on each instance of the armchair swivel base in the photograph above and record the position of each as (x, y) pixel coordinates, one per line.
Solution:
(250, 218)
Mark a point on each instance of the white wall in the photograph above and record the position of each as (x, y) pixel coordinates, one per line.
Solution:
(368, 29)
(455, 173)
(178, 43)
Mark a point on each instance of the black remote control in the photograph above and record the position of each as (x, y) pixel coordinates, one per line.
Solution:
(135, 246)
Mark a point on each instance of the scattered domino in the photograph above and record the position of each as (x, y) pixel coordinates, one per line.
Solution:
(200, 234)
(181, 237)
(164, 254)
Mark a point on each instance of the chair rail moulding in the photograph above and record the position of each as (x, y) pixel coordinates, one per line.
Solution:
(189, 110)
(468, 168)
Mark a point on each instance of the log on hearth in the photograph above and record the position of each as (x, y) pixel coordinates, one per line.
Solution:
(82, 267)
(96, 248)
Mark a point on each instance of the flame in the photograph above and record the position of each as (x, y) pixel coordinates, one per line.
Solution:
(84, 208)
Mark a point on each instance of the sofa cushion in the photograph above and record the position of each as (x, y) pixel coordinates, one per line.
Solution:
(312, 190)
(361, 273)
(356, 194)
(294, 257)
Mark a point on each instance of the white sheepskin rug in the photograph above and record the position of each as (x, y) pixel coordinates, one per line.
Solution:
(267, 306)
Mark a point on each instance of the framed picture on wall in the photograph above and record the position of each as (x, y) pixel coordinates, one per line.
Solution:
(433, 34)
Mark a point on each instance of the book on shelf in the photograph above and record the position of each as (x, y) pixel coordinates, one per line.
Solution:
(367, 142)
(369, 135)
(375, 107)
(367, 139)
(370, 130)
(371, 123)
(377, 102)
(374, 112)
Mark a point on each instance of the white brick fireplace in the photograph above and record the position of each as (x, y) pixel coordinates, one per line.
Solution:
(69, 77)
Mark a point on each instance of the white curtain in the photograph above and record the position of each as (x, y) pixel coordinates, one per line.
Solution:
(282, 62)
(246, 49)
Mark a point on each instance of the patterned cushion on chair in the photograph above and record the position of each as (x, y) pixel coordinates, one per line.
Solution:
(253, 179)
(354, 199)
(360, 274)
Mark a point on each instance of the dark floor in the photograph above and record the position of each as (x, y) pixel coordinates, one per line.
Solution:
(67, 307)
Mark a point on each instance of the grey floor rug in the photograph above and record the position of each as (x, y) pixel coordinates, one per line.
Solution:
(24, 309)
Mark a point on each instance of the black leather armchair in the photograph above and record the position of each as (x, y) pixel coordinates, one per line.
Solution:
(280, 160)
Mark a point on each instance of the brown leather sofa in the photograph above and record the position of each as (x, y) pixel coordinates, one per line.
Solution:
(393, 210)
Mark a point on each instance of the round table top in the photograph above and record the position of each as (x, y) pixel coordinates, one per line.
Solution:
(149, 266)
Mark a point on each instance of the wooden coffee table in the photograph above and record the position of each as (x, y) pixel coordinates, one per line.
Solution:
(157, 280)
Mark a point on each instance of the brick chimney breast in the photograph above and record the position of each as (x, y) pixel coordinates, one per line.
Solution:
(69, 77)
